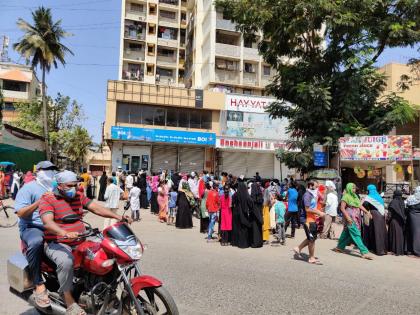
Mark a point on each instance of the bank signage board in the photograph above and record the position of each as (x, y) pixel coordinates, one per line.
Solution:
(163, 135)
(248, 144)
(376, 148)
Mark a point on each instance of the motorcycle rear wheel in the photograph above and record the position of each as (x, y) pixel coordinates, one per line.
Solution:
(164, 305)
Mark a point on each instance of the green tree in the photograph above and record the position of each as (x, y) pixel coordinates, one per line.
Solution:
(64, 116)
(76, 144)
(324, 53)
(42, 43)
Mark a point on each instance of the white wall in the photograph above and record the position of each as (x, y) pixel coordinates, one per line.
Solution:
(116, 154)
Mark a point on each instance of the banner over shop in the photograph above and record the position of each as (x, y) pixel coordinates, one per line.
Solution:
(247, 103)
(376, 148)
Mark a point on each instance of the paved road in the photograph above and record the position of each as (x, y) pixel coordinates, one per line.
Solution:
(211, 279)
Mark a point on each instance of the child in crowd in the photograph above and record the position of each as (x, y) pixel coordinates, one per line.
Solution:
(280, 211)
(173, 196)
(134, 197)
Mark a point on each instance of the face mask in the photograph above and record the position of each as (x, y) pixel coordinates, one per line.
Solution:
(46, 179)
(70, 193)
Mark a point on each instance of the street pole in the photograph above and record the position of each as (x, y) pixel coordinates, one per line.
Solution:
(281, 171)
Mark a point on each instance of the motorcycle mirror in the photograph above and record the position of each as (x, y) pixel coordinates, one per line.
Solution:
(71, 218)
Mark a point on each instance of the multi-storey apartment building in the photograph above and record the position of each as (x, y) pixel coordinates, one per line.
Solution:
(221, 58)
(153, 41)
(18, 84)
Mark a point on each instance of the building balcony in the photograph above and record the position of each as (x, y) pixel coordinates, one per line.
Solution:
(135, 35)
(169, 3)
(168, 42)
(131, 54)
(23, 95)
(164, 80)
(167, 61)
(250, 79)
(228, 50)
(132, 75)
(225, 25)
(251, 54)
(163, 21)
(225, 76)
(136, 15)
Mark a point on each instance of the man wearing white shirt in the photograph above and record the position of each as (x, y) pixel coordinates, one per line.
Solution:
(129, 180)
(112, 199)
(331, 206)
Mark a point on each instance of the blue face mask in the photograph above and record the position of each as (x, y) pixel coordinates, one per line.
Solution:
(70, 193)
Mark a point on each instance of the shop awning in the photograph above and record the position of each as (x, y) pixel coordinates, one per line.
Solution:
(15, 75)
(376, 164)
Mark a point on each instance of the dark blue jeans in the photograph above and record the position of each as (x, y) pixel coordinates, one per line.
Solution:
(34, 240)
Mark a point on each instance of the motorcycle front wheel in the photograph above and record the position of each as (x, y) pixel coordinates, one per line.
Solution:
(155, 301)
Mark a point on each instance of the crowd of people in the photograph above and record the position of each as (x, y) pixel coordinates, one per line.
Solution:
(256, 212)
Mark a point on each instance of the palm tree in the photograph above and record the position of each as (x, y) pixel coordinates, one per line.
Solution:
(42, 43)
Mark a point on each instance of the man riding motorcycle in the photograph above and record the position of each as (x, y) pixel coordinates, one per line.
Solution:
(31, 227)
(60, 236)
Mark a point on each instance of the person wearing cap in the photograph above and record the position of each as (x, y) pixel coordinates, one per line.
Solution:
(60, 236)
(331, 206)
(31, 228)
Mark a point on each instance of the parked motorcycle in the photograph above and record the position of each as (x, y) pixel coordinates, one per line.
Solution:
(107, 277)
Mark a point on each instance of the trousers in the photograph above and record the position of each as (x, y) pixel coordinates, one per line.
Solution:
(291, 217)
(329, 227)
(212, 219)
(34, 240)
(281, 234)
(62, 256)
(107, 221)
(352, 233)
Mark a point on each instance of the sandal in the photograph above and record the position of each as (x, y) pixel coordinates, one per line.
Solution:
(75, 309)
(315, 262)
(338, 250)
(367, 257)
(41, 299)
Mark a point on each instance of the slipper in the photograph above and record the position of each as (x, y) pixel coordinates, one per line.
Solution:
(41, 299)
(338, 250)
(297, 252)
(316, 262)
(367, 257)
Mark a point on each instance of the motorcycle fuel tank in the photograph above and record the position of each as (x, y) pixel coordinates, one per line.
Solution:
(17, 273)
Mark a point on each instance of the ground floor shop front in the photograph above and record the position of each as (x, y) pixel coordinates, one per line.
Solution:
(154, 157)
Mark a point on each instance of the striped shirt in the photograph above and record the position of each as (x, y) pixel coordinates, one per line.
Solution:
(61, 207)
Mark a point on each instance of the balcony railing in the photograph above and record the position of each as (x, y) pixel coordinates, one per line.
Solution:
(171, 61)
(169, 2)
(165, 21)
(225, 76)
(251, 54)
(225, 25)
(133, 34)
(250, 79)
(134, 54)
(166, 80)
(168, 42)
(228, 50)
(132, 75)
(136, 15)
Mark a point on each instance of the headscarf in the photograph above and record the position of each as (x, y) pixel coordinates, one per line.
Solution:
(415, 198)
(350, 197)
(373, 193)
(397, 206)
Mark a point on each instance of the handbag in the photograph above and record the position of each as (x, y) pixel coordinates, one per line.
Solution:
(127, 205)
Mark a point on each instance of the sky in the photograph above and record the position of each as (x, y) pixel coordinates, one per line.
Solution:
(95, 28)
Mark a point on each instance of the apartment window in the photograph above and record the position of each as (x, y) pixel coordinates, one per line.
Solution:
(135, 47)
(17, 86)
(166, 52)
(8, 106)
(183, 17)
(249, 67)
(147, 115)
(248, 42)
(150, 69)
(168, 33)
(151, 50)
(123, 113)
(173, 2)
(159, 117)
(164, 72)
(152, 29)
(167, 14)
(136, 7)
(247, 91)
(172, 117)
(266, 70)
(152, 10)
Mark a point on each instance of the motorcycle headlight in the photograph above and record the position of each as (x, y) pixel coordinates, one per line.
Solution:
(134, 251)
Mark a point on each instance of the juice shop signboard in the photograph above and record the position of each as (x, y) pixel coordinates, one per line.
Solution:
(376, 148)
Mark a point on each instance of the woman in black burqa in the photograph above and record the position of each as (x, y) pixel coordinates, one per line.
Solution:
(396, 213)
(413, 224)
(255, 216)
(142, 184)
(241, 207)
(102, 186)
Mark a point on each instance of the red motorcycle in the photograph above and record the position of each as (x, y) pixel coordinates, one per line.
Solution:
(107, 278)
